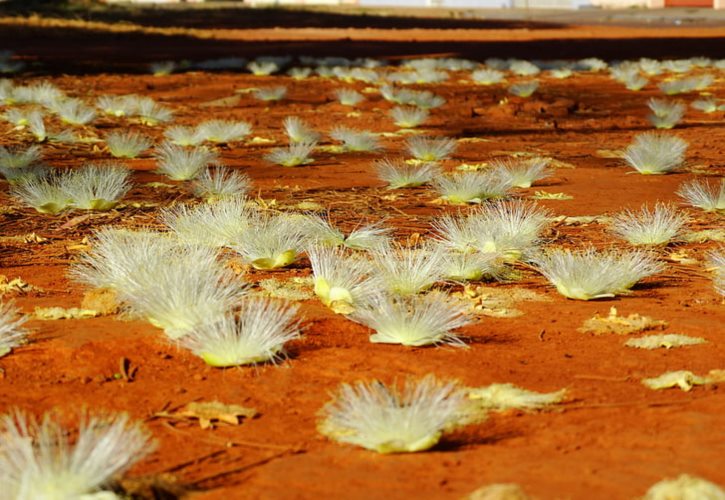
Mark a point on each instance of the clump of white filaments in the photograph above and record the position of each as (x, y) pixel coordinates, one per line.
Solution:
(40, 460)
(271, 241)
(294, 155)
(471, 187)
(222, 131)
(320, 231)
(408, 271)
(399, 174)
(522, 173)
(300, 132)
(658, 226)
(510, 230)
(415, 320)
(355, 141)
(590, 274)
(409, 117)
(665, 114)
(175, 286)
(17, 158)
(391, 420)
(705, 195)
(96, 186)
(90, 187)
(349, 97)
(221, 183)
(183, 164)
(341, 281)
(218, 224)
(12, 332)
(127, 144)
(654, 153)
(429, 149)
(257, 333)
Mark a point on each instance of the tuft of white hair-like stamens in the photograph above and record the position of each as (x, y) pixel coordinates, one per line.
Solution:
(684, 487)
(430, 148)
(182, 164)
(409, 117)
(654, 153)
(299, 132)
(223, 131)
(127, 144)
(487, 76)
(183, 136)
(321, 232)
(255, 334)
(665, 114)
(415, 320)
(524, 89)
(473, 266)
(221, 183)
(356, 141)
(123, 105)
(96, 186)
(703, 194)
(216, 225)
(507, 229)
(522, 173)
(658, 226)
(293, 155)
(471, 187)
(12, 158)
(12, 332)
(399, 174)
(40, 460)
(43, 193)
(186, 288)
(152, 113)
(270, 94)
(272, 242)
(408, 271)
(115, 254)
(74, 112)
(590, 274)
(349, 97)
(342, 282)
(392, 420)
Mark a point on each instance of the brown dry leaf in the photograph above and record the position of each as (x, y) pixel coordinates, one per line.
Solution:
(609, 153)
(621, 325)
(496, 302)
(209, 412)
(15, 286)
(102, 300)
(55, 313)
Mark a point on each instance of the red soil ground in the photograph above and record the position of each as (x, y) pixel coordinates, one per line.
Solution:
(613, 439)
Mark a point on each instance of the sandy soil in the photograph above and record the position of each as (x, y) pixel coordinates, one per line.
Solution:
(613, 439)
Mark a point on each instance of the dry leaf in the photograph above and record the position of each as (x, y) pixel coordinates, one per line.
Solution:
(209, 412)
(15, 286)
(621, 325)
(55, 313)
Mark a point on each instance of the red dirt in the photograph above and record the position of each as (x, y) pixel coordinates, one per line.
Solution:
(612, 440)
